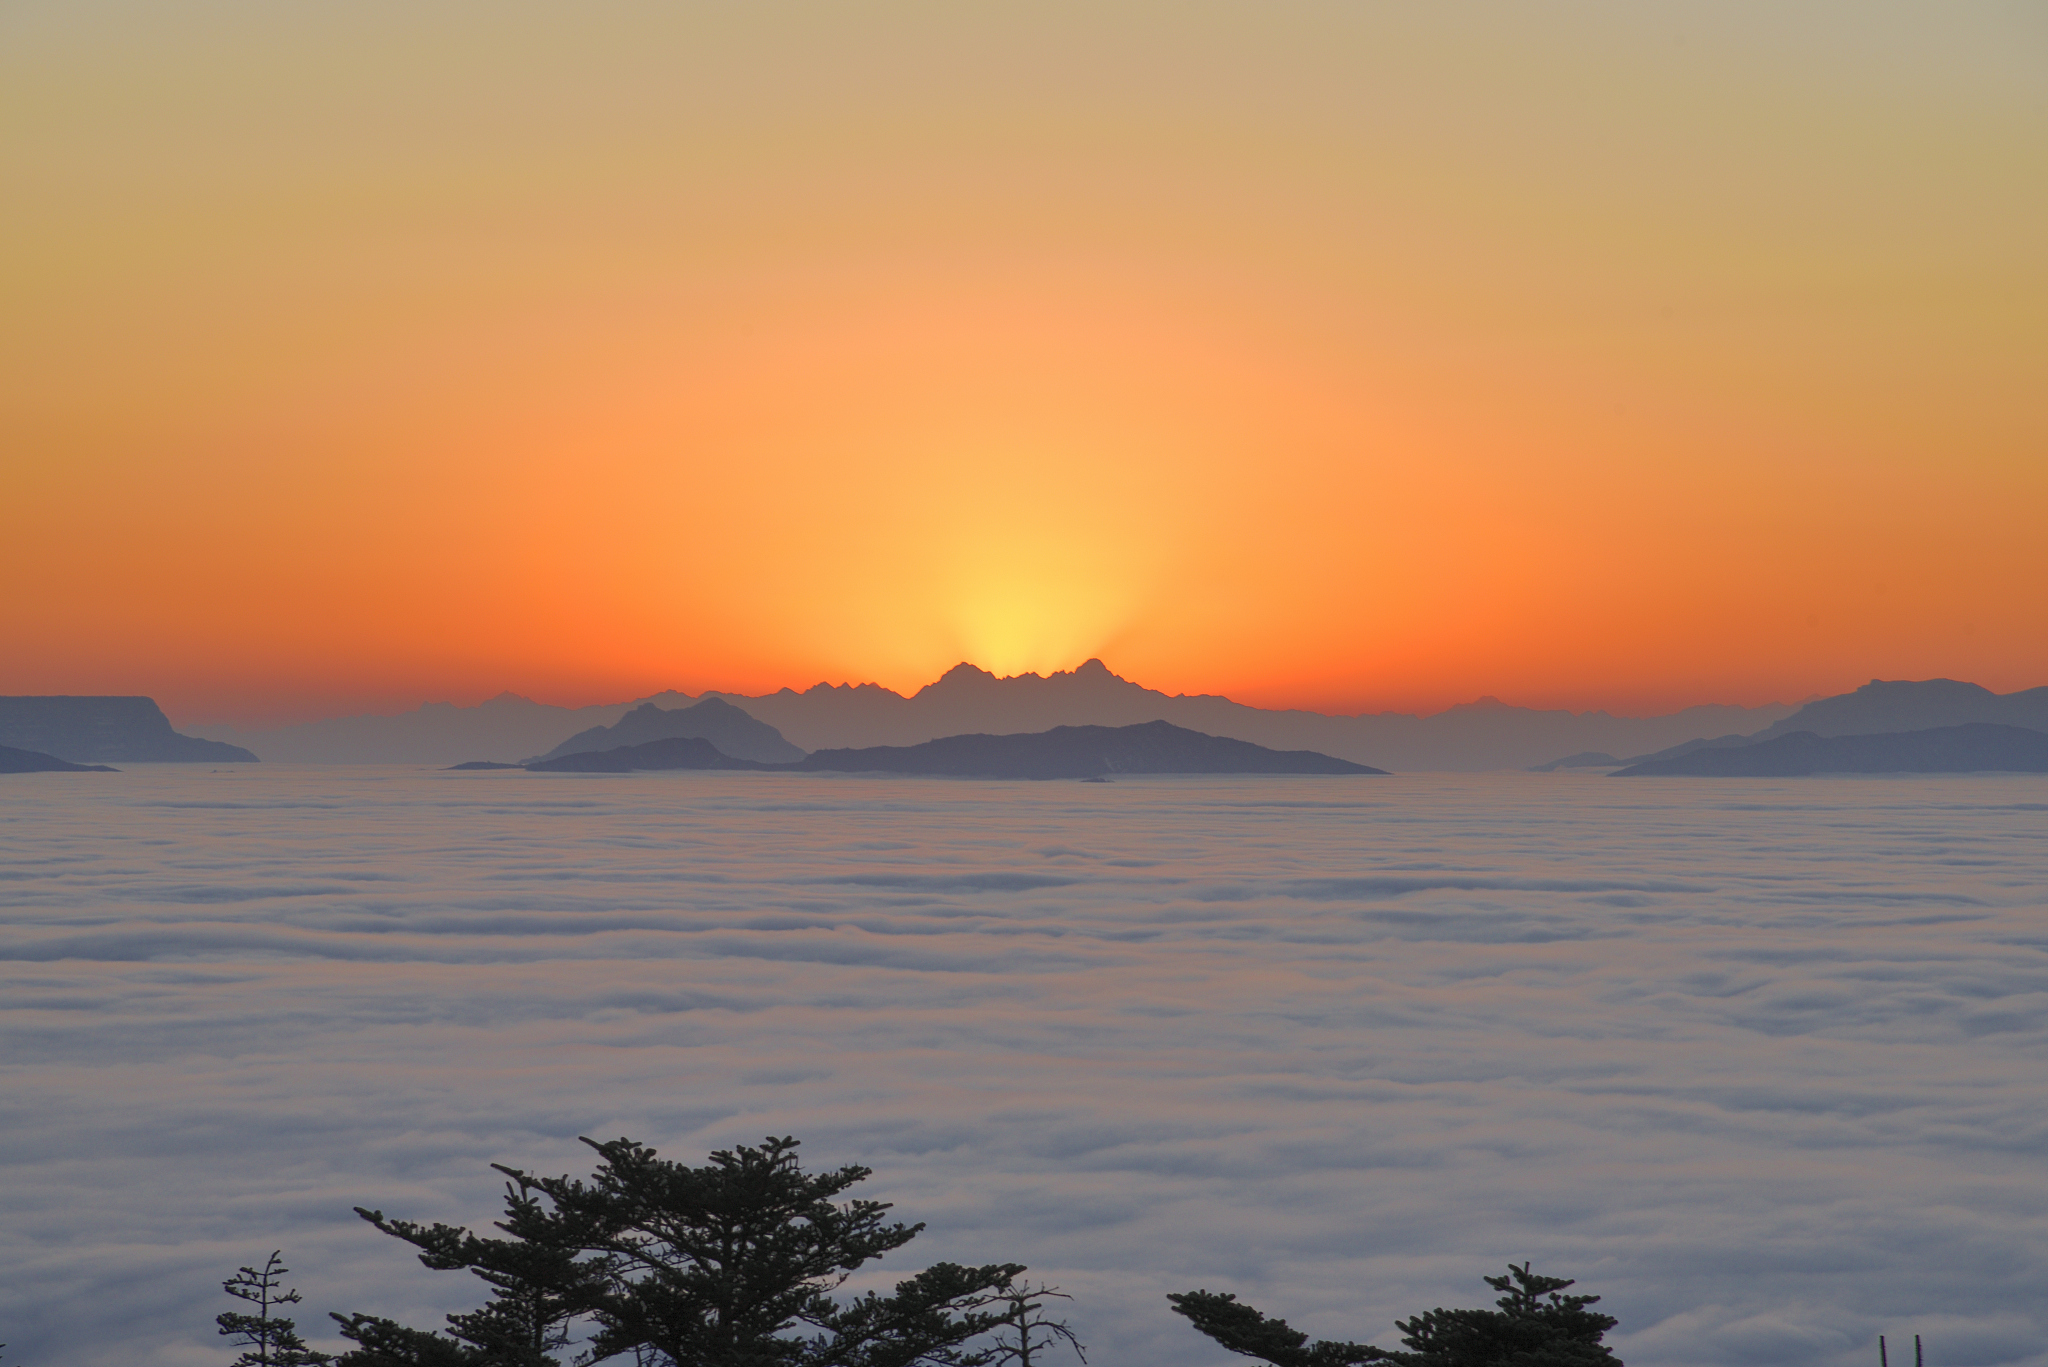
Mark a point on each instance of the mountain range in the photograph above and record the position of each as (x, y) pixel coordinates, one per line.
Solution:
(1153, 747)
(432, 733)
(90, 730)
(1084, 752)
(1974, 747)
(1487, 734)
(670, 752)
(1879, 707)
(725, 726)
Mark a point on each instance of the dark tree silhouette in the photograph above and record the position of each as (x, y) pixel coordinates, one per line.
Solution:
(1534, 1326)
(267, 1339)
(538, 1286)
(732, 1264)
(1244, 1330)
(1028, 1334)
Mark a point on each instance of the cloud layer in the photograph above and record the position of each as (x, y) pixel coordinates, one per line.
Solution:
(1760, 1062)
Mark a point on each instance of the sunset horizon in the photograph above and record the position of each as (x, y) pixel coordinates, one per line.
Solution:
(290, 707)
(1263, 664)
(1348, 358)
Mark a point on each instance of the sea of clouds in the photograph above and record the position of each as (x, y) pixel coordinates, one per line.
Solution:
(1764, 1063)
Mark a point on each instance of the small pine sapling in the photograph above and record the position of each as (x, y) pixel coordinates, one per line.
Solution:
(267, 1339)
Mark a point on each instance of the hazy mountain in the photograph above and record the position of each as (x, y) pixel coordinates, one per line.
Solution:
(90, 729)
(1901, 705)
(1971, 748)
(1585, 759)
(1154, 747)
(1882, 706)
(714, 719)
(1686, 748)
(1487, 734)
(13, 761)
(507, 726)
(672, 752)
(1062, 752)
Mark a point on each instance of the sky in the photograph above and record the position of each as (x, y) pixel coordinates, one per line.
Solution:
(1350, 356)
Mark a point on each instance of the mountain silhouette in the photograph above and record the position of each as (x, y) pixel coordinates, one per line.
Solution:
(88, 729)
(1974, 747)
(672, 752)
(432, 733)
(1585, 759)
(1903, 705)
(13, 761)
(1062, 752)
(1881, 706)
(730, 728)
(1155, 747)
(1487, 734)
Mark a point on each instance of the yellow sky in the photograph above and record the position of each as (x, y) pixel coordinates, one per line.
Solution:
(1332, 354)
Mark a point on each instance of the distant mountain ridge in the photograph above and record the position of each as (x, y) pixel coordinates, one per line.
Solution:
(1083, 752)
(14, 761)
(88, 729)
(1486, 734)
(669, 752)
(432, 733)
(1973, 747)
(1884, 706)
(727, 727)
(1904, 705)
(1153, 747)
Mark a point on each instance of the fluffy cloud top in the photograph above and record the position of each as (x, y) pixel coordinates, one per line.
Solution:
(1760, 1062)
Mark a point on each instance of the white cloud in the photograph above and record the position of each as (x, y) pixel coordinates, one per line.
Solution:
(1759, 1062)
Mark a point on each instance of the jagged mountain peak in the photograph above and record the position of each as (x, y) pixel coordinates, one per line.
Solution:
(965, 676)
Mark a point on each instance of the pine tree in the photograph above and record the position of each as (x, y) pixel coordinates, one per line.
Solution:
(267, 1339)
(1029, 1335)
(1244, 1330)
(732, 1264)
(538, 1286)
(712, 1266)
(1534, 1326)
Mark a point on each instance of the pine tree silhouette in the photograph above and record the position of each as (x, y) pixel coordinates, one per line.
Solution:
(1534, 1326)
(267, 1339)
(1037, 1334)
(733, 1263)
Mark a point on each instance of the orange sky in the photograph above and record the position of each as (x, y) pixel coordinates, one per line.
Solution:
(1348, 356)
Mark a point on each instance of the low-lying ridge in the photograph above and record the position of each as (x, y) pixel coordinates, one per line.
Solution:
(1153, 747)
(672, 752)
(16, 761)
(1078, 752)
(1977, 747)
(730, 728)
(90, 729)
